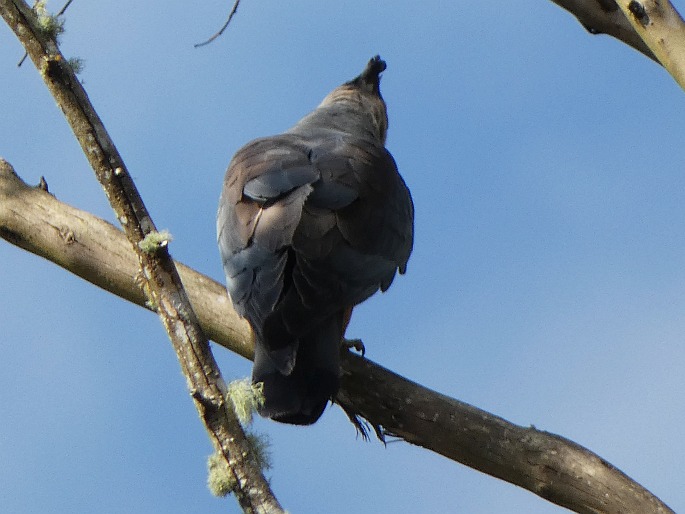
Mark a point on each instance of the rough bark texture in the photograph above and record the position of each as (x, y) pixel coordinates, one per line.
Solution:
(548, 465)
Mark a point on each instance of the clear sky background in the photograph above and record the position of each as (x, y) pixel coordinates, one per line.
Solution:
(547, 283)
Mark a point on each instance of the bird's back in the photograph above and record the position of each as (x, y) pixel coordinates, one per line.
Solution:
(311, 222)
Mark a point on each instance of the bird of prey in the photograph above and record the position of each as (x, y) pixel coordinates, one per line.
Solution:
(312, 222)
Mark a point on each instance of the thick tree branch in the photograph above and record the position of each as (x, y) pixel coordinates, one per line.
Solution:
(548, 465)
(162, 284)
(652, 27)
(662, 29)
(604, 17)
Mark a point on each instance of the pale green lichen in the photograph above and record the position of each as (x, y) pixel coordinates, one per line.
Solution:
(154, 241)
(220, 480)
(245, 397)
(50, 24)
(259, 450)
(77, 64)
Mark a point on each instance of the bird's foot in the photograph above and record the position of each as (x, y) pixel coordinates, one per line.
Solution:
(354, 344)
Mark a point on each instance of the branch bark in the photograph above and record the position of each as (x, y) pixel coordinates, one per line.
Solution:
(160, 278)
(605, 17)
(663, 31)
(652, 27)
(550, 466)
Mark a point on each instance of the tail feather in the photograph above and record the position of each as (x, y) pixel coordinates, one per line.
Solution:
(301, 396)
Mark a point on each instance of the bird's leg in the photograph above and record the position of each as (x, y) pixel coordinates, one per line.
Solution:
(349, 344)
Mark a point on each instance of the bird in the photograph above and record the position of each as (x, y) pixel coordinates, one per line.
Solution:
(312, 222)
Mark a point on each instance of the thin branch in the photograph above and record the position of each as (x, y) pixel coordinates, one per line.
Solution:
(161, 280)
(225, 26)
(546, 464)
(64, 8)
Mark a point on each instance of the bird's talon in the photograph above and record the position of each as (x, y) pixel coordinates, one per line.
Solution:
(355, 344)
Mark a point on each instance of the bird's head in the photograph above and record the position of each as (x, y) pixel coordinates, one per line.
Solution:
(365, 94)
(370, 79)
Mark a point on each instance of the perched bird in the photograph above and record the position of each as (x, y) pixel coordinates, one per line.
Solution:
(312, 222)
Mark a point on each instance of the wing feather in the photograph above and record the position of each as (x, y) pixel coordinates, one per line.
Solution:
(308, 227)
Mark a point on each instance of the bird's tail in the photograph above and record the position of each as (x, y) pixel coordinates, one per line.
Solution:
(300, 396)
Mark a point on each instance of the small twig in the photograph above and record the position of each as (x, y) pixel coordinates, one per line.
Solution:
(66, 6)
(221, 31)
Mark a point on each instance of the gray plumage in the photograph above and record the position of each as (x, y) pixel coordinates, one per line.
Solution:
(312, 222)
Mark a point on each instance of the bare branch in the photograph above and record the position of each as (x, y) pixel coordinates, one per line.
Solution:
(548, 465)
(222, 29)
(98, 252)
(161, 281)
(604, 17)
(652, 27)
(64, 8)
(662, 29)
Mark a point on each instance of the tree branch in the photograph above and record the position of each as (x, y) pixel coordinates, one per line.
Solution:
(162, 284)
(604, 17)
(662, 29)
(223, 27)
(546, 464)
(652, 27)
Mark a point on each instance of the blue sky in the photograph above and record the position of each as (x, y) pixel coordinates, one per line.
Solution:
(546, 285)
